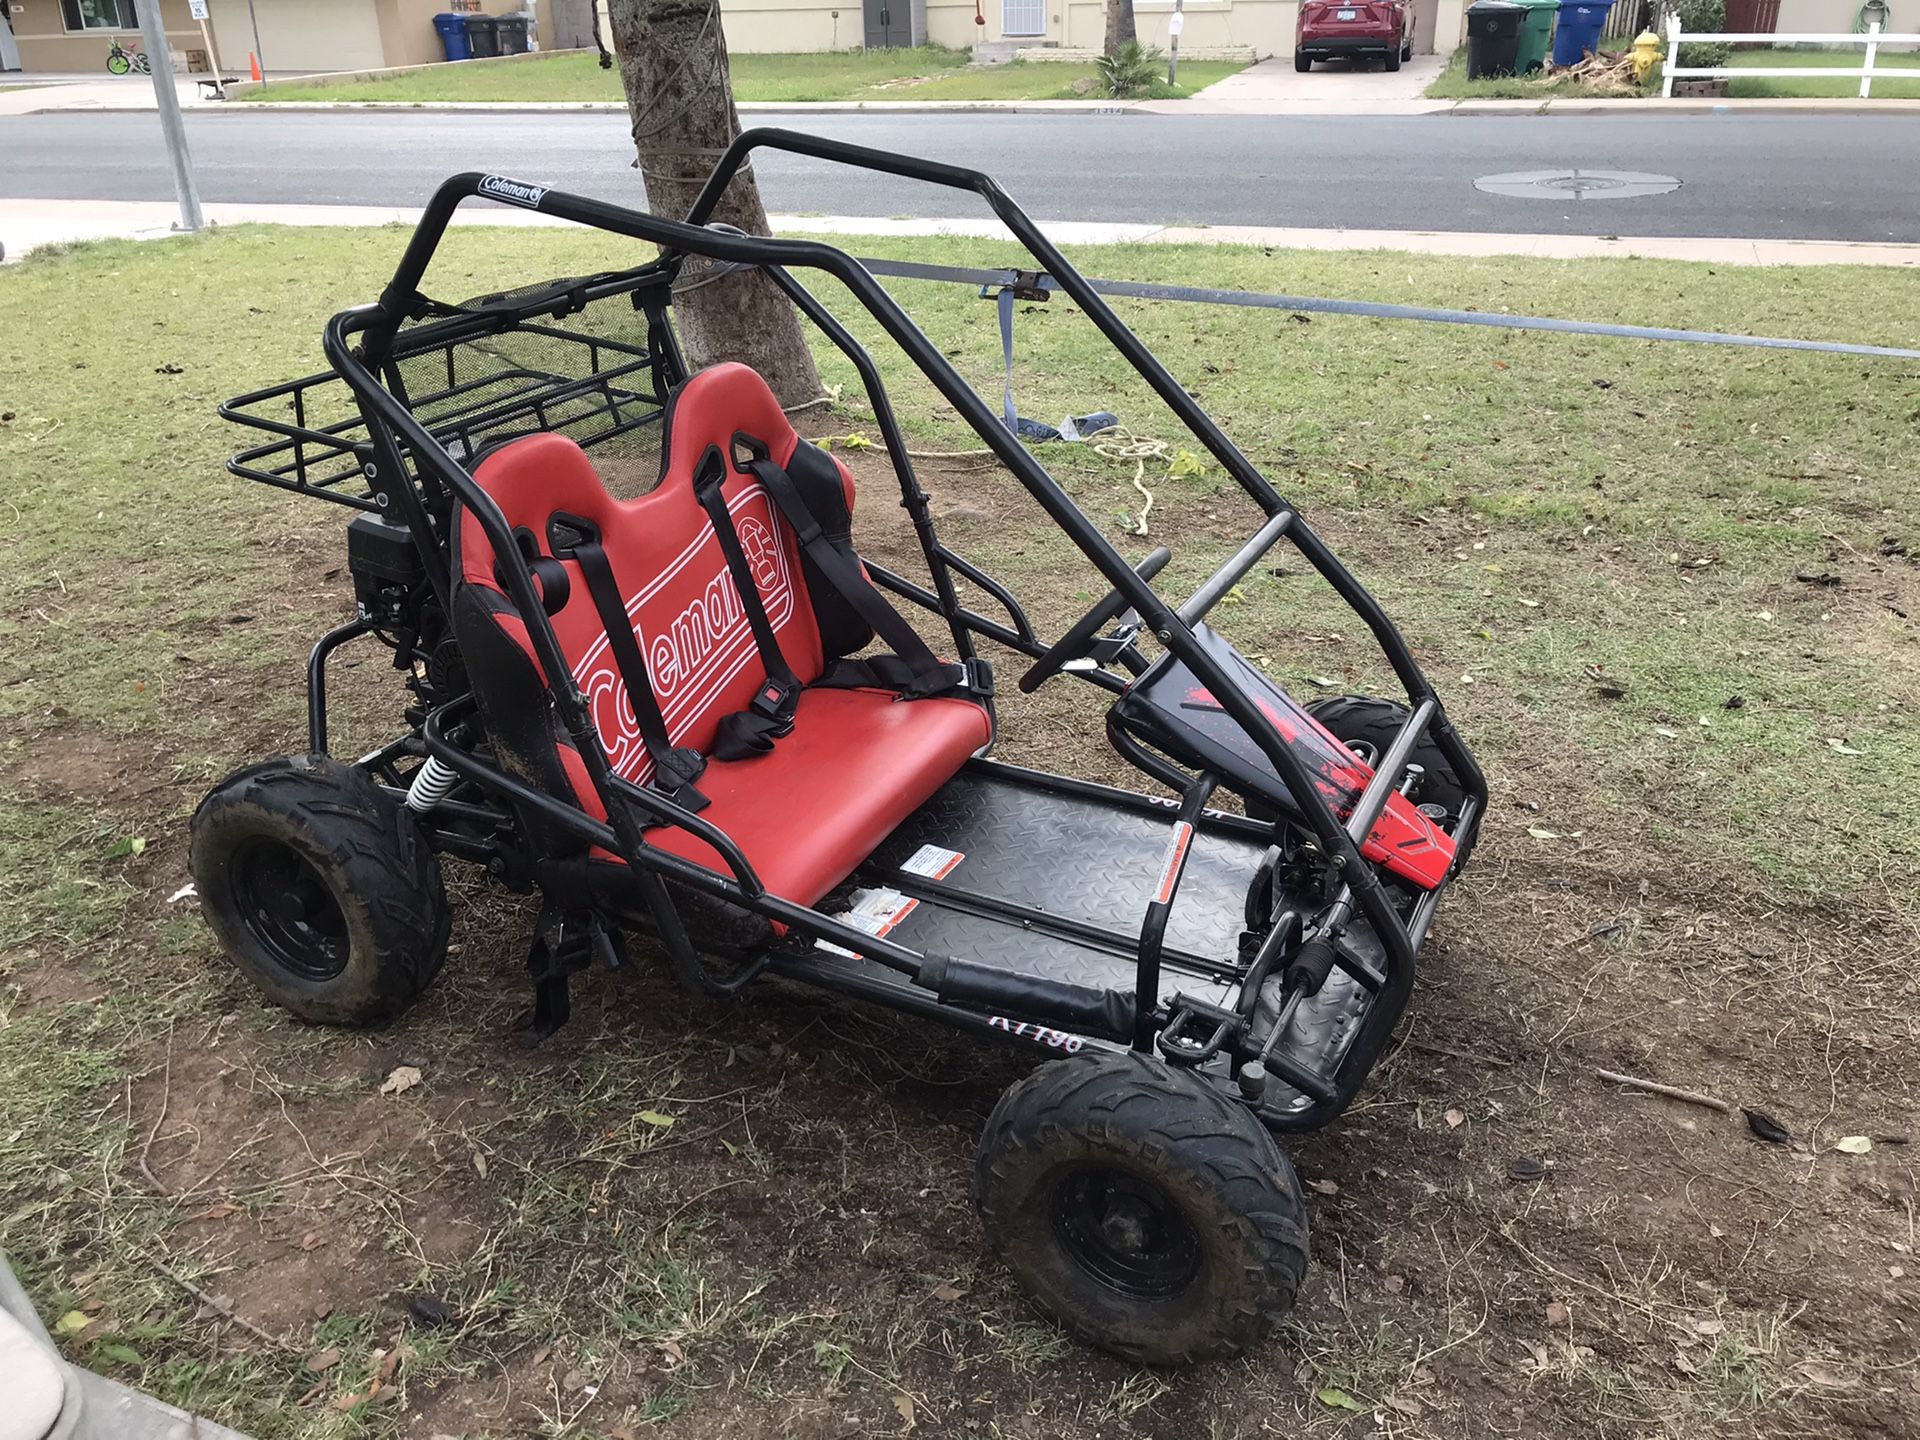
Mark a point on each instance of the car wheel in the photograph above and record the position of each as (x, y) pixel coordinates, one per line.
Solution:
(1392, 62)
(1302, 64)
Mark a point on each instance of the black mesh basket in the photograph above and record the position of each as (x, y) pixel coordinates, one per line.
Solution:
(591, 358)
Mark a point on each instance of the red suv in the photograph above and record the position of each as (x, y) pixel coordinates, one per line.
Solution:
(1356, 29)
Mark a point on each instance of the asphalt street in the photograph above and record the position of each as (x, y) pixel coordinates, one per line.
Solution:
(1811, 177)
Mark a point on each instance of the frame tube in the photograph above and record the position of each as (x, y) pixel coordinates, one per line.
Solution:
(378, 324)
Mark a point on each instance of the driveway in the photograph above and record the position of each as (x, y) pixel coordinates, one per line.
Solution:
(1343, 86)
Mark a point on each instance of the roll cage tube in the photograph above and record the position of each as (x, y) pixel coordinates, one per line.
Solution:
(383, 319)
(1143, 360)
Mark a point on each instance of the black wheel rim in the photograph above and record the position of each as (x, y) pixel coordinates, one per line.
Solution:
(285, 902)
(1126, 1233)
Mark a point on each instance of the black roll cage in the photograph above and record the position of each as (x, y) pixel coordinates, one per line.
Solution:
(359, 344)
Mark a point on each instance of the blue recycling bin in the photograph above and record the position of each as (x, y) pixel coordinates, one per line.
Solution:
(1579, 31)
(453, 36)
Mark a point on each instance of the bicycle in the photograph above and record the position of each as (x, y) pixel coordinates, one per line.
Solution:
(125, 62)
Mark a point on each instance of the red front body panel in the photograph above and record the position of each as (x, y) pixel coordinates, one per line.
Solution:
(1170, 709)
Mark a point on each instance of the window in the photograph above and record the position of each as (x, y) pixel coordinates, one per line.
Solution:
(99, 15)
(1023, 17)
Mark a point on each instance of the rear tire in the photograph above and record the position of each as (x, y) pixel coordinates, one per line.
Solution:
(1372, 723)
(1141, 1209)
(1302, 64)
(1392, 62)
(321, 888)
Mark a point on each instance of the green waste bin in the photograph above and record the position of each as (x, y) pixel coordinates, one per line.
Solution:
(1536, 33)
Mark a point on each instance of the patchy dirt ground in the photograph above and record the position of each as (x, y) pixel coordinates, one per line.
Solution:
(751, 1219)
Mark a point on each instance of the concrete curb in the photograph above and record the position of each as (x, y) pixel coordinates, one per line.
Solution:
(27, 224)
(1565, 105)
(615, 107)
(1196, 106)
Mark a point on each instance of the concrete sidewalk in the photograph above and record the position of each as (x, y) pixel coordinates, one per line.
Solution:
(1269, 88)
(98, 94)
(27, 224)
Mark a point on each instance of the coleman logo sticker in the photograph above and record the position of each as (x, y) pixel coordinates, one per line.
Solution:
(693, 630)
(514, 192)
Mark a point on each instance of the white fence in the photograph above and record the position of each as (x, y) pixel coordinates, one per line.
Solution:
(1873, 39)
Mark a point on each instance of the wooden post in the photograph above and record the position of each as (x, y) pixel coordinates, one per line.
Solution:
(213, 52)
(1176, 22)
(1873, 50)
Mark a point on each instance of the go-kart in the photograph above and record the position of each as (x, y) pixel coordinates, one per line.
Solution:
(699, 715)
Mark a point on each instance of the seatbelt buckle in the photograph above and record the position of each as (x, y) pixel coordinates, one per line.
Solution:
(980, 678)
(776, 701)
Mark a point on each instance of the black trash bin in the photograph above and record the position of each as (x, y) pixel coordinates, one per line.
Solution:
(483, 36)
(1493, 37)
(512, 30)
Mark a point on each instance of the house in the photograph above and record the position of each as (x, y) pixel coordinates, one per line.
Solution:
(1263, 26)
(289, 36)
(305, 36)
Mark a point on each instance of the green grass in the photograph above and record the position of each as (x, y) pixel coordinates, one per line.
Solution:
(1813, 87)
(1750, 460)
(1532, 509)
(930, 72)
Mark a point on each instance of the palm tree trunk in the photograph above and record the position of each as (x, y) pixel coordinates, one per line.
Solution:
(673, 66)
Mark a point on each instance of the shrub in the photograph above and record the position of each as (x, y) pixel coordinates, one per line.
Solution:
(1706, 17)
(1131, 71)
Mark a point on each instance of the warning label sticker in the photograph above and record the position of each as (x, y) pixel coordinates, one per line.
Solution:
(1175, 862)
(874, 911)
(932, 861)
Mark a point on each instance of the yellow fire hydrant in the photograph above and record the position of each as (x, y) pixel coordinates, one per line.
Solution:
(1646, 54)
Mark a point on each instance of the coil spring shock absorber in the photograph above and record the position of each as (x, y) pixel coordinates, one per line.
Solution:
(432, 783)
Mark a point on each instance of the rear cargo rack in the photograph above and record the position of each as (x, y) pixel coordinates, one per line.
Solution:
(476, 375)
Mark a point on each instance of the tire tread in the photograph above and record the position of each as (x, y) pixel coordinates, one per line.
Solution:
(385, 876)
(1136, 1105)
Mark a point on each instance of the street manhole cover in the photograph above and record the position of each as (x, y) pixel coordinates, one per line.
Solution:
(1576, 184)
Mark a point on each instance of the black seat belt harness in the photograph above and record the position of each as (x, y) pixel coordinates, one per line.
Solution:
(675, 769)
(912, 669)
(751, 731)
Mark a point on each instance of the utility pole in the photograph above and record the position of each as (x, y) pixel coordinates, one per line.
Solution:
(1176, 22)
(153, 32)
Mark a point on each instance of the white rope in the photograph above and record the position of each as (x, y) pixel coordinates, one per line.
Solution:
(1120, 443)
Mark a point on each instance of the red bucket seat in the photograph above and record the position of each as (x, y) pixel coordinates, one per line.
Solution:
(857, 761)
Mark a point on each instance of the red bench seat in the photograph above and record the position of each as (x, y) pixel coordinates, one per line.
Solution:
(856, 763)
